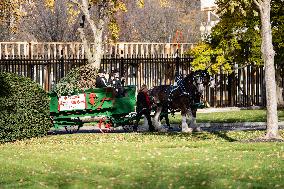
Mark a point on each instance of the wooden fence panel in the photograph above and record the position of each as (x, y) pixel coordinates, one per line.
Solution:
(75, 49)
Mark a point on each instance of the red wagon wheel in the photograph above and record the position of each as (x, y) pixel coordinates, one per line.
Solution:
(104, 126)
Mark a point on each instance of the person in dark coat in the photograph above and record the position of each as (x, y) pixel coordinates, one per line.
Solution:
(101, 80)
(143, 107)
(117, 82)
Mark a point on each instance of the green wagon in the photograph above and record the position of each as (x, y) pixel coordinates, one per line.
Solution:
(99, 106)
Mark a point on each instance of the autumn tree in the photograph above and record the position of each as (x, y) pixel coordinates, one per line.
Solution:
(158, 21)
(41, 23)
(244, 36)
(10, 14)
(97, 14)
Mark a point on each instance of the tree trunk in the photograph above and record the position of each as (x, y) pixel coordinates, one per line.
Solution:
(94, 58)
(268, 57)
(98, 37)
(89, 55)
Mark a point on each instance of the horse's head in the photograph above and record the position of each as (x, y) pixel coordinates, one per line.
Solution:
(198, 79)
(201, 77)
(196, 82)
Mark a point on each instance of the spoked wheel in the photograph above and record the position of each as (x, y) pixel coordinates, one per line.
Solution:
(129, 127)
(72, 129)
(105, 126)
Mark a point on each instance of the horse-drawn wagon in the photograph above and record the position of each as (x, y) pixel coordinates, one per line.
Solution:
(107, 109)
(99, 106)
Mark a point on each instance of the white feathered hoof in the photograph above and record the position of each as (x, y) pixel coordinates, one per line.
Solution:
(187, 130)
(156, 124)
(163, 129)
(144, 127)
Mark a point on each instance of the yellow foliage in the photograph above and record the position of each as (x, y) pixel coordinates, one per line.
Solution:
(73, 13)
(119, 6)
(11, 13)
(205, 57)
(114, 29)
(50, 4)
(140, 3)
(164, 3)
(93, 2)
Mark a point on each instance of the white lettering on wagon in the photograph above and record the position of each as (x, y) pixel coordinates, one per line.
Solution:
(74, 102)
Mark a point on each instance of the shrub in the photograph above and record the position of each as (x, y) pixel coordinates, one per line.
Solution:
(77, 79)
(24, 108)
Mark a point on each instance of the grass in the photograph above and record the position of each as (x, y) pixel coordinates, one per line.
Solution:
(171, 160)
(229, 117)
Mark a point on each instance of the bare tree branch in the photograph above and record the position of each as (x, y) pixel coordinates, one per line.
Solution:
(75, 2)
(102, 14)
(257, 3)
(84, 8)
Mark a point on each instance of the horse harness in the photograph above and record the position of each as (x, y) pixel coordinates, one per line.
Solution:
(180, 86)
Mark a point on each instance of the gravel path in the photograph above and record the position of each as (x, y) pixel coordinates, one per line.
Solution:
(204, 126)
(245, 126)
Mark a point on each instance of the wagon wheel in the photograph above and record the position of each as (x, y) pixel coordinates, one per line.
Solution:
(72, 129)
(129, 126)
(105, 126)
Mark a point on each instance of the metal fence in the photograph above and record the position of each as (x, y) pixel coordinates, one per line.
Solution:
(244, 87)
(149, 70)
(45, 71)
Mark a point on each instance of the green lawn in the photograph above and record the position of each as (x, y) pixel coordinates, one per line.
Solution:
(230, 117)
(199, 160)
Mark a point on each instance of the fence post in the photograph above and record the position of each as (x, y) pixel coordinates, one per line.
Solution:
(177, 64)
(121, 66)
(30, 67)
(46, 77)
(61, 65)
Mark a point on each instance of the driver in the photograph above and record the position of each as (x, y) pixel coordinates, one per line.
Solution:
(101, 80)
(117, 82)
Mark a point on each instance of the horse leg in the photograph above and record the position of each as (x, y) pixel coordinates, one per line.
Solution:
(192, 122)
(156, 120)
(184, 125)
(145, 126)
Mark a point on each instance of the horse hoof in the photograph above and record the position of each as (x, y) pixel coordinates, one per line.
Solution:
(188, 130)
(163, 130)
(197, 129)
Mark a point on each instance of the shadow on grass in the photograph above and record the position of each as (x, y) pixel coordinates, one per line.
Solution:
(196, 135)
(171, 135)
(232, 135)
(224, 136)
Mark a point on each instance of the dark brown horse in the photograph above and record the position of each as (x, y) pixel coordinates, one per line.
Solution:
(184, 97)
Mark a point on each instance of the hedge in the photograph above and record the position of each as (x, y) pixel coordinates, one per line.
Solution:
(24, 108)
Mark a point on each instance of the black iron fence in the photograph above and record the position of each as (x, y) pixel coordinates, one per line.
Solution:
(149, 70)
(43, 70)
(244, 87)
